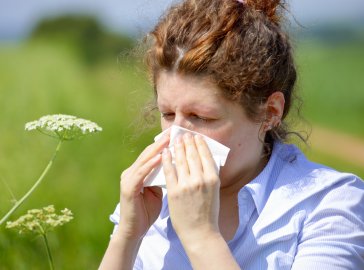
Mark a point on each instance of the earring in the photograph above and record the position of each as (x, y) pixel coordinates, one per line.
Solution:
(267, 127)
(276, 121)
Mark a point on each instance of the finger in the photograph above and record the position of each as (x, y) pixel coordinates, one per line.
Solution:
(152, 150)
(168, 169)
(180, 158)
(135, 176)
(207, 160)
(192, 155)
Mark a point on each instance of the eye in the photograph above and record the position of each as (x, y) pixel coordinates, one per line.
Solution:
(200, 118)
(167, 116)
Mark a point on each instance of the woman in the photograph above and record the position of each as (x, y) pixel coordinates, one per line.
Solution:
(225, 69)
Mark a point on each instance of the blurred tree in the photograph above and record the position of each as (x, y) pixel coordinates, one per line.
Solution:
(84, 34)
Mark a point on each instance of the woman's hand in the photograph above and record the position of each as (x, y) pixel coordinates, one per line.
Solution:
(138, 210)
(193, 189)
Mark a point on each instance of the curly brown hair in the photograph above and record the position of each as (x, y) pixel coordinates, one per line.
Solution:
(240, 46)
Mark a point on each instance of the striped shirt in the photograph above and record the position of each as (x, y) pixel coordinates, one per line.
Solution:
(295, 215)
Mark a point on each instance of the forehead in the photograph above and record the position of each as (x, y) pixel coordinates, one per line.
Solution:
(189, 90)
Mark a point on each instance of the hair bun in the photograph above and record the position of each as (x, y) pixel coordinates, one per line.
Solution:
(268, 7)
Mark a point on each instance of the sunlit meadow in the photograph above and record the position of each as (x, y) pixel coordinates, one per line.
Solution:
(42, 78)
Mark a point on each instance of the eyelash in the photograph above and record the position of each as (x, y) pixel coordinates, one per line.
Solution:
(167, 116)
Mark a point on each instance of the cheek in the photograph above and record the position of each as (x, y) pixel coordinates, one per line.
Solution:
(226, 135)
(165, 124)
(247, 150)
(222, 136)
(246, 140)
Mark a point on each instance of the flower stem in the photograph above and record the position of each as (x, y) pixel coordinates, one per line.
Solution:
(50, 260)
(36, 184)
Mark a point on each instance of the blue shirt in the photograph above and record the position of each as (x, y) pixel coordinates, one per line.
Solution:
(295, 214)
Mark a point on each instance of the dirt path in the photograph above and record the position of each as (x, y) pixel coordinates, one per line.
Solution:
(340, 145)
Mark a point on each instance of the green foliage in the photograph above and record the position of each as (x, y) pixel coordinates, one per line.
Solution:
(44, 77)
(334, 162)
(331, 83)
(85, 35)
(39, 79)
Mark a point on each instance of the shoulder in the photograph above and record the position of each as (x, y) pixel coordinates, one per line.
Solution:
(314, 210)
(301, 178)
(301, 184)
(331, 205)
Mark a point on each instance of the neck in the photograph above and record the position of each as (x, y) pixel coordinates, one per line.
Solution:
(231, 191)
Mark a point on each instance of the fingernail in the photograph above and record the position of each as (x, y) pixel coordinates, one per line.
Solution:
(187, 136)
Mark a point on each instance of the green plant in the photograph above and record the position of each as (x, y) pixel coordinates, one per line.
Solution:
(62, 127)
(40, 222)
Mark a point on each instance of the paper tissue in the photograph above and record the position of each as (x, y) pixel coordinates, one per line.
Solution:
(218, 150)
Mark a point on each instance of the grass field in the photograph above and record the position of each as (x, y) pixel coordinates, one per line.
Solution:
(331, 81)
(39, 78)
(331, 84)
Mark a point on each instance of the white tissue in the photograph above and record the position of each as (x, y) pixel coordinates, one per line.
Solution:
(218, 150)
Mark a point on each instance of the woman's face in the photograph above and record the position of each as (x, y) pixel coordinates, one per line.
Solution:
(197, 104)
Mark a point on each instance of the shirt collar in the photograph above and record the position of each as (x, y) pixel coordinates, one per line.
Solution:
(261, 187)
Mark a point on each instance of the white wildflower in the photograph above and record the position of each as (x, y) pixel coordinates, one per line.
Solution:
(62, 126)
(49, 209)
(40, 221)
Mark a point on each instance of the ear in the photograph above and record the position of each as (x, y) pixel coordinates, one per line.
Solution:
(274, 109)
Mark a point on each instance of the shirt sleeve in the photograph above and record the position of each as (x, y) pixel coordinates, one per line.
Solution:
(332, 237)
(115, 217)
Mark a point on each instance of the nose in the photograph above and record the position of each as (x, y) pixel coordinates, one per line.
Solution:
(182, 121)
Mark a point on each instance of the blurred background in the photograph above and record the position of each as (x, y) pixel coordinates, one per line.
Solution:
(79, 58)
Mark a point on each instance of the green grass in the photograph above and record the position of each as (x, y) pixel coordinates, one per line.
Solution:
(334, 162)
(331, 82)
(40, 78)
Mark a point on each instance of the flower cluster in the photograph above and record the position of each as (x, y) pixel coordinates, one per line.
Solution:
(40, 221)
(62, 126)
